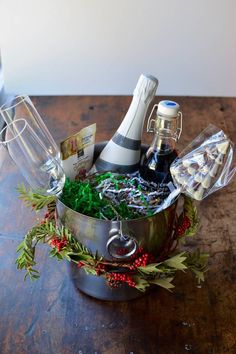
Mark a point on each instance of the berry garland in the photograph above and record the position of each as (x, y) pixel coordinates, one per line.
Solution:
(143, 269)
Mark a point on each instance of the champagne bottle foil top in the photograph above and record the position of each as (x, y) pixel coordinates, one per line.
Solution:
(146, 88)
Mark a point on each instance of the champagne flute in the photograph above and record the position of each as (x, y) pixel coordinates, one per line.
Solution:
(21, 107)
(41, 170)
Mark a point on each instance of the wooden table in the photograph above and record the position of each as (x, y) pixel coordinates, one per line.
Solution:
(51, 316)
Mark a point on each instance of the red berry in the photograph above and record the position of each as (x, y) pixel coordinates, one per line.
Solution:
(180, 231)
(80, 264)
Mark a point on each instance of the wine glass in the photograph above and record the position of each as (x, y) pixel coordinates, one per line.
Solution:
(41, 170)
(21, 107)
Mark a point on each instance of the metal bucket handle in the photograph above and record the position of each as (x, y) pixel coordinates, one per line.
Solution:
(119, 245)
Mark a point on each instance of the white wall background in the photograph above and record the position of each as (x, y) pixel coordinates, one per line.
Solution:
(102, 46)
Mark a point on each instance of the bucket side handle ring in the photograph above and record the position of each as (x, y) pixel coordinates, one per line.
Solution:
(121, 246)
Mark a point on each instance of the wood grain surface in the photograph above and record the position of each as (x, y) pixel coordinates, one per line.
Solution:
(50, 316)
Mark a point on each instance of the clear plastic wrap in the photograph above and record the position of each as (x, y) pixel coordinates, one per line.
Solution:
(205, 165)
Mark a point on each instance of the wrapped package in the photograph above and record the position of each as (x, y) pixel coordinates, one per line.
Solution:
(77, 152)
(206, 165)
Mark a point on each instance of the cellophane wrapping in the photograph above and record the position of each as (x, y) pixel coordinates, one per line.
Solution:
(205, 165)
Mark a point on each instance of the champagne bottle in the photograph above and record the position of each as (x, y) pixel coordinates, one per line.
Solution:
(122, 152)
(167, 126)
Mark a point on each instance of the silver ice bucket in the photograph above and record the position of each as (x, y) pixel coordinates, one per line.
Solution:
(103, 237)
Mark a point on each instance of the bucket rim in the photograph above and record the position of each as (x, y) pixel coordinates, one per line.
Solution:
(142, 218)
(98, 146)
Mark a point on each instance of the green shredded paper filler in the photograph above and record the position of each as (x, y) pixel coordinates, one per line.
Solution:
(82, 196)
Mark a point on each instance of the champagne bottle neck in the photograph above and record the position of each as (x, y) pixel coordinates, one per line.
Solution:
(122, 152)
(132, 124)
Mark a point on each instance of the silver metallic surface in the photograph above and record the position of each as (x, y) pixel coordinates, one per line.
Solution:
(148, 232)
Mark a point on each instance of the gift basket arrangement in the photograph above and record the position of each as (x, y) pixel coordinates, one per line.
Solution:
(117, 210)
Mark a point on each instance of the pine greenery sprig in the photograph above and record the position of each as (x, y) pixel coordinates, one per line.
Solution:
(163, 273)
(45, 232)
(190, 217)
(197, 262)
(34, 200)
(26, 259)
(68, 248)
(65, 246)
(191, 211)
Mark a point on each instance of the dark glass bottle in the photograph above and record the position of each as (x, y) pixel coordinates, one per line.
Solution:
(167, 127)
